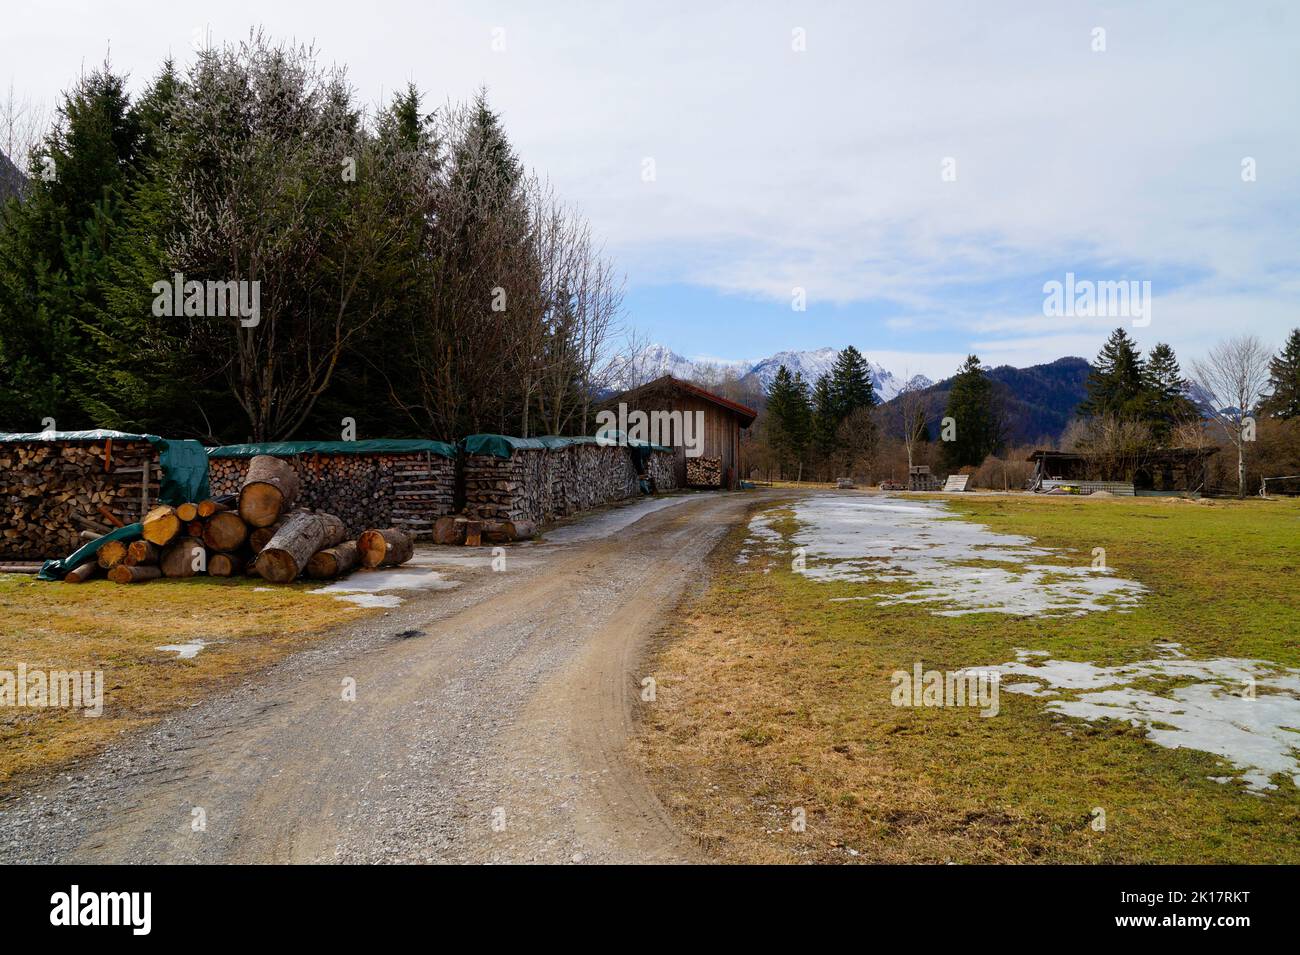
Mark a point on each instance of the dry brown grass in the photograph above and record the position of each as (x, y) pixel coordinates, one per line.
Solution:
(771, 699)
(116, 629)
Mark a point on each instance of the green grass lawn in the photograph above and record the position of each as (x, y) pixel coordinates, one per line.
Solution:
(772, 699)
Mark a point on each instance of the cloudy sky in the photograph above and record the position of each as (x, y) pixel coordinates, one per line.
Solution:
(805, 145)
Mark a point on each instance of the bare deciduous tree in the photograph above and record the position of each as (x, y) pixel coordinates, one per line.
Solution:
(1234, 374)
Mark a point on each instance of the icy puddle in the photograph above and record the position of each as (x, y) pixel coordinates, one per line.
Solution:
(889, 540)
(1260, 736)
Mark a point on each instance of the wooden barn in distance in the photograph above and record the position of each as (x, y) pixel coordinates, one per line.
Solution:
(723, 419)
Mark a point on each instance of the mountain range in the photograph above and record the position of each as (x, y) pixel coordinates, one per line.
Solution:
(1038, 402)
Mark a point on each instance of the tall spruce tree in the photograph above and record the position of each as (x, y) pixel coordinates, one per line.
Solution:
(54, 251)
(789, 417)
(972, 404)
(825, 419)
(1167, 404)
(1117, 386)
(1284, 379)
(850, 383)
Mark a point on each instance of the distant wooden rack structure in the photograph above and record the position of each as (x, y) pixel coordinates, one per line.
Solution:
(919, 478)
(1154, 470)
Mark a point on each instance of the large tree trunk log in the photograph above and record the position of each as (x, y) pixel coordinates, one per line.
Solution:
(179, 558)
(259, 537)
(225, 530)
(286, 555)
(161, 525)
(79, 575)
(133, 574)
(142, 552)
(378, 548)
(521, 530)
(449, 530)
(110, 554)
(332, 561)
(269, 489)
(213, 504)
(225, 565)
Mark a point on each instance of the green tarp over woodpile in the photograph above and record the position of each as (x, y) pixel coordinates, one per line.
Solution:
(56, 569)
(502, 445)
(288, 449)
(184, 463)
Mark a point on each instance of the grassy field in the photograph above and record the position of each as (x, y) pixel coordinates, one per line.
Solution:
(104, 626)
(772, 700)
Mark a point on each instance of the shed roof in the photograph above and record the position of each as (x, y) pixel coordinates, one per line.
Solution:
(747, 415)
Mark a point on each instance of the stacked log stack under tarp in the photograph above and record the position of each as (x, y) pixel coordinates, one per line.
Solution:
(56, 485)
(366, 484)
(538, 480)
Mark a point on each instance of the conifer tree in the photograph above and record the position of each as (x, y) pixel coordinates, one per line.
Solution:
(973, 407)
(1167, 404)
(1284, 379)
(1116, 385)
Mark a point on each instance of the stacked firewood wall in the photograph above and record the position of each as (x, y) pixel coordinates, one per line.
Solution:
(540, 486)
(51, 491)
(409, 491)
(704, 472)
(661, 469)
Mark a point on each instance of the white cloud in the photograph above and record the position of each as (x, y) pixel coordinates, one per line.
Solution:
(822, 169)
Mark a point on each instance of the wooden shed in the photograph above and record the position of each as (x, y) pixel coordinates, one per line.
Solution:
(722, 419)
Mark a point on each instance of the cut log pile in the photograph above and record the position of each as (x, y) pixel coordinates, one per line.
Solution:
(537, 486)
(260, 532)
(410, 491)
(704, 472)
(51, 491)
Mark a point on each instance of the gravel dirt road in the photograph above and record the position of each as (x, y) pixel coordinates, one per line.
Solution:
(490, 725)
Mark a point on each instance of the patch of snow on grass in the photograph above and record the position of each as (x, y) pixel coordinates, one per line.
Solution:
(1216, 714)
(369, 600)
(184, 651)
(964, 565)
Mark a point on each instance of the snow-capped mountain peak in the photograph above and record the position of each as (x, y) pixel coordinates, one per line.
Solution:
(656, 360)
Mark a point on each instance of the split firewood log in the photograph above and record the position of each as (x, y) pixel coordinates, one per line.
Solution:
(225, 530)
(133, 574)
(333, 561)
(141, 552)
(161, 525)
(473, 533)
(380, 548)
(269, 489)
(187, 512)
(79, 575)
(110, 554)
(287, 553)
(225, 565)
(183, 557)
